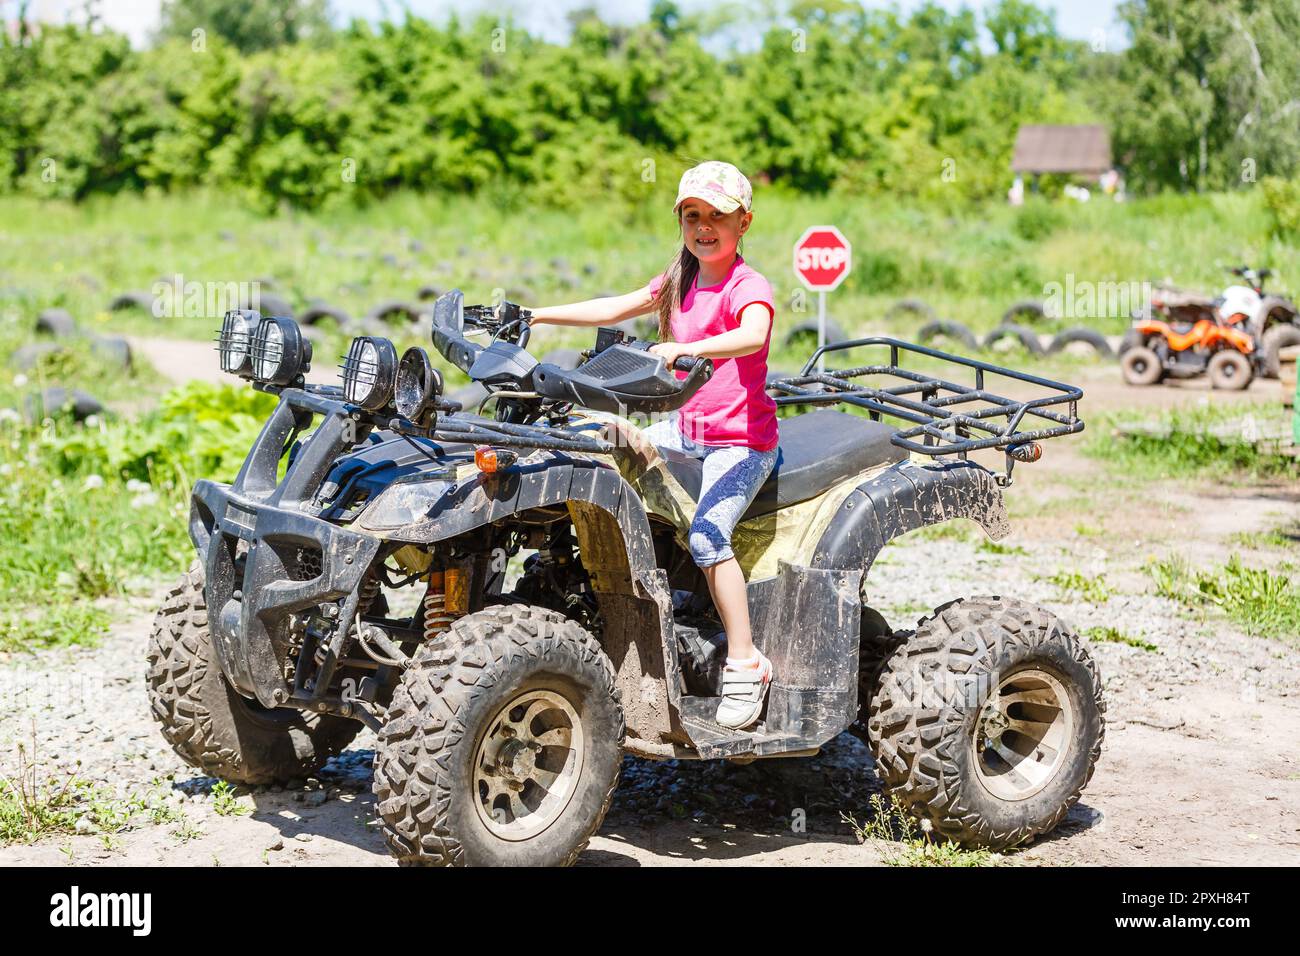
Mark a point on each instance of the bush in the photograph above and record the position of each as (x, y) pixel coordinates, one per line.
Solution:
(1282, 200)
(89, 512)
(462, 107)
(1037, 219)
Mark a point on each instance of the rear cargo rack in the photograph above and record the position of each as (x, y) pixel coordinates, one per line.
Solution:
(945, 417)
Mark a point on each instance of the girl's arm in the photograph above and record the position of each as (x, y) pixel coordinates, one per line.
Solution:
(755, 323)
(603, 311)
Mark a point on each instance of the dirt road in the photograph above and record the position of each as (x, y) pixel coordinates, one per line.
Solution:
(1200, 763)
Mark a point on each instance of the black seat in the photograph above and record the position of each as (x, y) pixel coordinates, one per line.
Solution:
(818, 450)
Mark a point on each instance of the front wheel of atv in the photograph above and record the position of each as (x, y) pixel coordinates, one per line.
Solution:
(209, 724)
(988, 722)
(1141, 366)
(502, 744)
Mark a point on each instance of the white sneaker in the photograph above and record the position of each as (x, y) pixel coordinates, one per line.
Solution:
(743, 690)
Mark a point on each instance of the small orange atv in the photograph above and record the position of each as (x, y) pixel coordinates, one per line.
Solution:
(1216, 347)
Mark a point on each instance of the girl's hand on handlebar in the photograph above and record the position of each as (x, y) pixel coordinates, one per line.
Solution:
(670, 352)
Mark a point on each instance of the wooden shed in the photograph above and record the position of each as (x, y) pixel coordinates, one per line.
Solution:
(1062, 149)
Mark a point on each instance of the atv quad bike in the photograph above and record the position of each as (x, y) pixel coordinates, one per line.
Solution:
(1156, 349)
(1270, 321)
(503, 702)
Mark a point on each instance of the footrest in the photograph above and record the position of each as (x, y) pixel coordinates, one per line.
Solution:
(713, 741)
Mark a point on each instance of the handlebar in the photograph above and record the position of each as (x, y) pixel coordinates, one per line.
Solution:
(619, 375)
(1246, 271)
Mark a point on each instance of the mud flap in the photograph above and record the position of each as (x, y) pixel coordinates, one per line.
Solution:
(808, 627)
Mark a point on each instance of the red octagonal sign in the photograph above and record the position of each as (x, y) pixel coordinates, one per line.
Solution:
(822, 258)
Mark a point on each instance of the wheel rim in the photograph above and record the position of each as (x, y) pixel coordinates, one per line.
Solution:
(1022, 734)
(527, 766)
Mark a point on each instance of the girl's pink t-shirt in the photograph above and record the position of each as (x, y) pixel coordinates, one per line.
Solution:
(732, 407)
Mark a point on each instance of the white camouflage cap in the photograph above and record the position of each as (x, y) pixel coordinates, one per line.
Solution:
(721, 185)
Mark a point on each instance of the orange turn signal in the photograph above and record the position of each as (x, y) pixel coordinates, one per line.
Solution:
(491, 460)
(1026, 452)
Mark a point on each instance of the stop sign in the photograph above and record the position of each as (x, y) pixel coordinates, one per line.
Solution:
(822, 258)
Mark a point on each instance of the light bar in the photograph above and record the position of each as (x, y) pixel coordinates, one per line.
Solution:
(369, 372)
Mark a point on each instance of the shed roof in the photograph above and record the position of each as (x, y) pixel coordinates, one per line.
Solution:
(1062, 149)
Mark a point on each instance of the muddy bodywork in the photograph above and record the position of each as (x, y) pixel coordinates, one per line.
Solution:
(268, 554)
(278, 548)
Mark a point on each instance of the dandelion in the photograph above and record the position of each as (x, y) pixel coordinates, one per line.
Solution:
(135, 486)
(145, 500)
(20, 380)
(9, 415)
(92, 482)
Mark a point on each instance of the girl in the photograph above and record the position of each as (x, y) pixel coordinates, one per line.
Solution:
(712, 305)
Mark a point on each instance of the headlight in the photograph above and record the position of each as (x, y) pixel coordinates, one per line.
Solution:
(280, 354)
(419, 385)
(235, 341)
(369, 371)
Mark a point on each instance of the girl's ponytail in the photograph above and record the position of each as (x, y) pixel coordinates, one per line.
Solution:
(678, 278)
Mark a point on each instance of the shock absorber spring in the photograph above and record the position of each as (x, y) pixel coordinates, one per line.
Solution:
(436, 616)
(370, 585)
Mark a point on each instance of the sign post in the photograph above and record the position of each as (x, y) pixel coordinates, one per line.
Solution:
(822, 260)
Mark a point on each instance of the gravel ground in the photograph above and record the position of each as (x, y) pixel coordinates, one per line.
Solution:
(1206, 686)
(1199, 766)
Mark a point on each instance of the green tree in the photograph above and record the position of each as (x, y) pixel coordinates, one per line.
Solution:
(248, 25)
(1208, 92)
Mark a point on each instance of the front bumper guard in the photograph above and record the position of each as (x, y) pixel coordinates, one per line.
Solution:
(250, 612)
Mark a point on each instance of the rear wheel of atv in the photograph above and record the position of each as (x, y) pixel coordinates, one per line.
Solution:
(1274, 339)
(502, 744)
(876, 644)
(209, 724)
(1229, 370)
(1141, 366)
(988, 721)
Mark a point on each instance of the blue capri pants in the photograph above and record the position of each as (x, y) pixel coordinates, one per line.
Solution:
(732, 476)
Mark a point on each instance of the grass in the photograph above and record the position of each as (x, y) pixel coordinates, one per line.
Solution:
(90, 513)
(968, 264)
(955, 530)
(35, 803)
(1113, 635)
(86, 513)
(225, 801)
(1283, 537)
(905, 841)
(1092, 588)
(989, 546)
(1262, 603)
(1207, 440)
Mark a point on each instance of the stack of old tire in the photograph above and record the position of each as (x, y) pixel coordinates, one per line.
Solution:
(56, 330)
(1016, 328)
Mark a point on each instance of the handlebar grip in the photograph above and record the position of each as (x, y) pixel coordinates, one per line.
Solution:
(685, 363)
